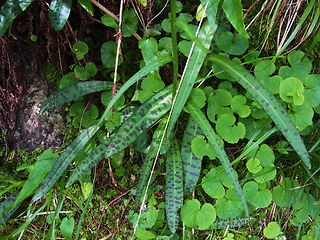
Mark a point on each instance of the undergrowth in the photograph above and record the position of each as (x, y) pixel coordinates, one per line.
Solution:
(229, 139)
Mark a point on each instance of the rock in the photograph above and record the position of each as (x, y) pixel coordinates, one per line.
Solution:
(34, 130)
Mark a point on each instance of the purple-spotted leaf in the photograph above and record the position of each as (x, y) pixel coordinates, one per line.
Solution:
(191, 163)
(59, 13)
(148, 162)
(145, 116)
(78, 144)
(270, 104)
(174, 186)
(230, 223)
(6, 209)
(73, 92)
(213, 138)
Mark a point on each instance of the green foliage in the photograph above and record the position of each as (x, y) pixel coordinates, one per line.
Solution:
(59, 13)
(221, 131)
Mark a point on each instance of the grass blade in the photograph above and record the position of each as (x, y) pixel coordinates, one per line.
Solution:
(270, 104)
(214, 140)
(174, 186)
(190, 163)
(145, 116)
(73, 92)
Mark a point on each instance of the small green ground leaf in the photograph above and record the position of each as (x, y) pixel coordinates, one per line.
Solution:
(130, 22)
(253, 165)
(87, 6)
(206, 216)
(194, 217)
(228, 130)
(174, 186)
(234, 45)
(299, 68)
(264, 69)
(272, 230)
(264, 153)
(291, 90)
(107, 20)
(66, 227)
(285, 194)
(108, 54)
(271, 105)
(312, 89)
(266, 174)
(258, 197)
(200, 148)
(59, 13)
(238, 106)
(80, 49)
(149, 49)
(302, 116)
(214, 181)
(144, 234)
(198, 97)
(191, 163)
(229, 206)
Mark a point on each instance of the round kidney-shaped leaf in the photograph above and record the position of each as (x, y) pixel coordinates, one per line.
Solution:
(272, 231)
(234, 45)
(200, 148)
(253, 165)
(227, 129)
(260, 198)
(229, 206)
(108, 54)
(291, 90)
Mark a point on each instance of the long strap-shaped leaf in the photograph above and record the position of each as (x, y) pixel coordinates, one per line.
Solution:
(73, 92)
(9, 11)
(75, 147)
(197, 58)
(64, 160)
(214, 140)
(270, 104)
(231, 223)
(6, 209)
(148, 162)
(145, 116)
(174, 186)
(190, 163)
(59, 13)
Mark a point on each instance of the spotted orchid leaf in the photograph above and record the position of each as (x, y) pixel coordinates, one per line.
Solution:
(77, 145)
(9, 11)
(174, 186)
(148, 162)
(6, 209)
(145, 116)
(73, 92)
(231, 223)
(213, 138)
(59, 13)
(270, 104)
(191, 164)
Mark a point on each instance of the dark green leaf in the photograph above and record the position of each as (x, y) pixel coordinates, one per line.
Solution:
(174, 186)
(59, 13)
(73, 92)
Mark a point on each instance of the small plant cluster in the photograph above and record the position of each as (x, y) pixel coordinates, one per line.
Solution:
(221, 108)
